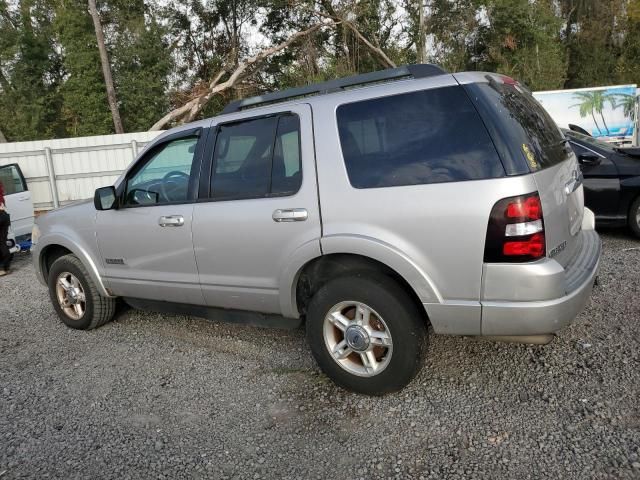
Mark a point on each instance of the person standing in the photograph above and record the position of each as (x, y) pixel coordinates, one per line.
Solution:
(5, 221)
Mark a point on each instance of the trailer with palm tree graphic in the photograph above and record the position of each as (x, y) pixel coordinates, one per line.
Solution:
(610, 113)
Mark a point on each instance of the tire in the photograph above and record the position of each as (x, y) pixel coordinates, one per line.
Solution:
(392, 312)
(97, 310)
(634, 217)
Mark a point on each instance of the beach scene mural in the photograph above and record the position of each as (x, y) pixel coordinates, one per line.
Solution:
(607, 112)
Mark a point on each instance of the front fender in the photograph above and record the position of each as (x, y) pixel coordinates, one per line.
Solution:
(78, 248)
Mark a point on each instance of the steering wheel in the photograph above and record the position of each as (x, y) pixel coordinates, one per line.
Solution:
(170, 184)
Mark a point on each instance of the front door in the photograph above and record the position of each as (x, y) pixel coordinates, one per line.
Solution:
(17, 199)
(146, 243)
(601, 184)
(260, 209)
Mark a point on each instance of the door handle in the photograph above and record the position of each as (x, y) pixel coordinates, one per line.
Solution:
(290, 215)
(171, 221)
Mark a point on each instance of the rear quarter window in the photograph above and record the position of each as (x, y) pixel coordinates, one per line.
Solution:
(423, 137)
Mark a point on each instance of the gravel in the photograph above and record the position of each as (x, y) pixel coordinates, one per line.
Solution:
(153, 396)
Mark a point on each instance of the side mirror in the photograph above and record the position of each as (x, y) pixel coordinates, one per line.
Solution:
(105, 198)
(589, 159)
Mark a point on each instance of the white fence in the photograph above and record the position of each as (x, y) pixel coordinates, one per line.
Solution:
(65, 170)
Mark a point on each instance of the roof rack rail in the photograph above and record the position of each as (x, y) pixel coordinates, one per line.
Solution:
(413, 71)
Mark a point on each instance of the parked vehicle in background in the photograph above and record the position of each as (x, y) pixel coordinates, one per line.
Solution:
(611, 180)
(370, 206)
(17, 199)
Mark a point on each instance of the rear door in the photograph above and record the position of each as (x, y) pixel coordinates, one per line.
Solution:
(257, 209)
(530, 140)
(17, 199)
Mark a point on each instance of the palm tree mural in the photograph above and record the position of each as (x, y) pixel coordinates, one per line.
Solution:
(591, 103)
(624, 100)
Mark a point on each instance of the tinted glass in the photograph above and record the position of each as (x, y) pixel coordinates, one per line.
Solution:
(11, 180)
(591, 141)
(286, 174)
(524, 123)
(430, 136)
(579, 150)
(242, 159)
(164, 178)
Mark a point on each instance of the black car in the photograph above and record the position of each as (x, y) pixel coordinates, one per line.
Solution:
(611, 180)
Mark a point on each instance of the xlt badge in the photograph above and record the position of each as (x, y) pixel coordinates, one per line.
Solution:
(558, 249)
(114, 261)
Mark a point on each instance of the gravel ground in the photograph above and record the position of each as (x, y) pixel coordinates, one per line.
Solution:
(151, 396)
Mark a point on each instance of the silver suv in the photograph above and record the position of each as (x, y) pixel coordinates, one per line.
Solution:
(371, 207)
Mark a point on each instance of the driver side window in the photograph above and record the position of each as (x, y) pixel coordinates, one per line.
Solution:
(164, 178)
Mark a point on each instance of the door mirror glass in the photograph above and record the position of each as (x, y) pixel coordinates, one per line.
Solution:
(588, 159)
(105, 198)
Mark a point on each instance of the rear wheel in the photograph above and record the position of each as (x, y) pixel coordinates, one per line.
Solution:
(75, 296)
(634, 217)
(366, 333)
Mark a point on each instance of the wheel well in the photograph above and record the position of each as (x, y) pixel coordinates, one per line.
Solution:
(49, 255)
(320, 270)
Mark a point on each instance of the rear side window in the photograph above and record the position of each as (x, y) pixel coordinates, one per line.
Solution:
(520, 121)
(430, 136)
(257, 158)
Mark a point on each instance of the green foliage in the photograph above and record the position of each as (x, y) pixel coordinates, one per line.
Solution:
(29, 71)
(85, 110)
(141, 62)
(164, 53)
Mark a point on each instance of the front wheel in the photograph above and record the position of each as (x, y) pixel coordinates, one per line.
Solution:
(75, 296)
(366, 333)
(634, 217)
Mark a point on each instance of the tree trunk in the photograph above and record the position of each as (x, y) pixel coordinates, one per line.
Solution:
(106, 67)
(606, 127)
(593, 115)
(422, 34)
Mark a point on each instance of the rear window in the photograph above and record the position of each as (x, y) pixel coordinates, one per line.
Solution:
(429, 136)
(523, 123)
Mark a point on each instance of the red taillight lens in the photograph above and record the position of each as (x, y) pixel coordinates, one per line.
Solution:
(516, 230)
(526, 210)
(533, 247)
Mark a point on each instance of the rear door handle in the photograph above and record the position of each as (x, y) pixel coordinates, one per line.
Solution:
(290, 215)
(171, 221)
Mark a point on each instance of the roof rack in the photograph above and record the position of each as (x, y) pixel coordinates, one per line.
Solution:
(406, 71)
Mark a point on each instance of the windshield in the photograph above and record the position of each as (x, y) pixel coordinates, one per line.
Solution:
(590, 140)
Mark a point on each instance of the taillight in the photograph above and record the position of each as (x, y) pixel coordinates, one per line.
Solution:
(516, 230)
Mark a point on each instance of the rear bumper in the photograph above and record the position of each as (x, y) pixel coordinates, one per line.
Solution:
(537, 315)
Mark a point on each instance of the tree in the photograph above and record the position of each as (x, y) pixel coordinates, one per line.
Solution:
(521, 38)
(141, 61)
(30, 71)
(192, 108)
(106, 67)
(592, 40)
(85, 109)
